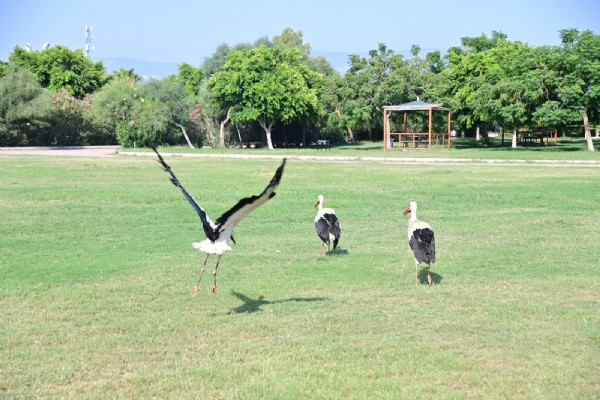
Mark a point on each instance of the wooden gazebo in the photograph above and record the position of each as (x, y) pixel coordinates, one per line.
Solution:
(412, 140)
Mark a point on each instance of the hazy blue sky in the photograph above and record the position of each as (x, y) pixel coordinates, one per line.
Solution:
(188, 31)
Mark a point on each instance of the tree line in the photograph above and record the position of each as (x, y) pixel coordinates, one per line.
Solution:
(274, 93)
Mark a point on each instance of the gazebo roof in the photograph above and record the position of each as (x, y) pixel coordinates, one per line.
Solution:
(416, 105)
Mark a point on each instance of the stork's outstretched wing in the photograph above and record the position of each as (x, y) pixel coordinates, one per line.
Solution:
(245, 206)
(207, 224)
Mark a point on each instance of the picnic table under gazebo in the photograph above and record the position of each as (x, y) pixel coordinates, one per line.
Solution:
(412, 140)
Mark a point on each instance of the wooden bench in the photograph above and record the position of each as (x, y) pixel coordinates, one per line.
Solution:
(323, 144)
(530, 138)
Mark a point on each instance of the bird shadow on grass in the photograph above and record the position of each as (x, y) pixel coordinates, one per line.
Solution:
(436, 279)
(251, 305)
(338, 252)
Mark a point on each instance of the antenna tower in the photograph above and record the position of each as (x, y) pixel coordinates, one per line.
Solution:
(89, 35)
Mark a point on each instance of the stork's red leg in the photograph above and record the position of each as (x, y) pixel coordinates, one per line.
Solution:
(429, 274)
(214, 288)
(200, 277)
(416, 274)
(322, 248)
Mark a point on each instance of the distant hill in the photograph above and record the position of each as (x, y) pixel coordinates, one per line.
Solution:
(159, 70)
(146, 69)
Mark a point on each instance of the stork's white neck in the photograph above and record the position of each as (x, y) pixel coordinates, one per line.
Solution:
(413, 214)
(320, 200)
(413, 211)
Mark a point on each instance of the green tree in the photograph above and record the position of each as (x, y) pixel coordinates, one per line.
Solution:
(464, 83)
(191, 77)
(148, 123)
(579, 68)
(510, 92)
(128, 75)
(370, 83)
(327, 119)
(157, 111)
(202, 121)
(3, 68)
(112, 106)
(59, 68)
(549, 112)
(176, 103)
(290, 38)
(356, 92)
(24, 108)
(266, 85)
(71, 122)
(206, 112)
(482, 43)
(216, 62)
(415, 50)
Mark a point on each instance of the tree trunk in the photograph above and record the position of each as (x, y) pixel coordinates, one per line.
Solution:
(477, 137)
(222, 131)
(237, 127)
(502, 136)
(514, 139)
(350, 134)
(263, 123)
(486, 138)
(588, 133)
(187, 139)
(304, 135)
(211, 136)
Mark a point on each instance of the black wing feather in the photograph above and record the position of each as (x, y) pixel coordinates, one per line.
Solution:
(335, 230)
(326, 225)
(248, 204)
(322, 227)
(422, 244)
(208, 229)
(249, 200)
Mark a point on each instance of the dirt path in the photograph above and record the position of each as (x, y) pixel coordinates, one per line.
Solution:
(71, 151)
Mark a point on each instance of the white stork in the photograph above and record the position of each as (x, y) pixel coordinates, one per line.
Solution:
(218, 233)
(421, 240)
(327, 225)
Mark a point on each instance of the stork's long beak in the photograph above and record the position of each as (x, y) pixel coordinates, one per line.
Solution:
(317, 203)
(406, 211)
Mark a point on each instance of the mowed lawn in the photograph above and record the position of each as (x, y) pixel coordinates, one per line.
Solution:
(97, 269)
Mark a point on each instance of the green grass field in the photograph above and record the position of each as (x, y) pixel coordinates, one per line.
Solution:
(97, 269)
(565, 149)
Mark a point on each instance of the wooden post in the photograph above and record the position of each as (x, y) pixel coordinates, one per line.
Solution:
(405, 119)
(430, 118)
(385, 131)
(449, 127)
